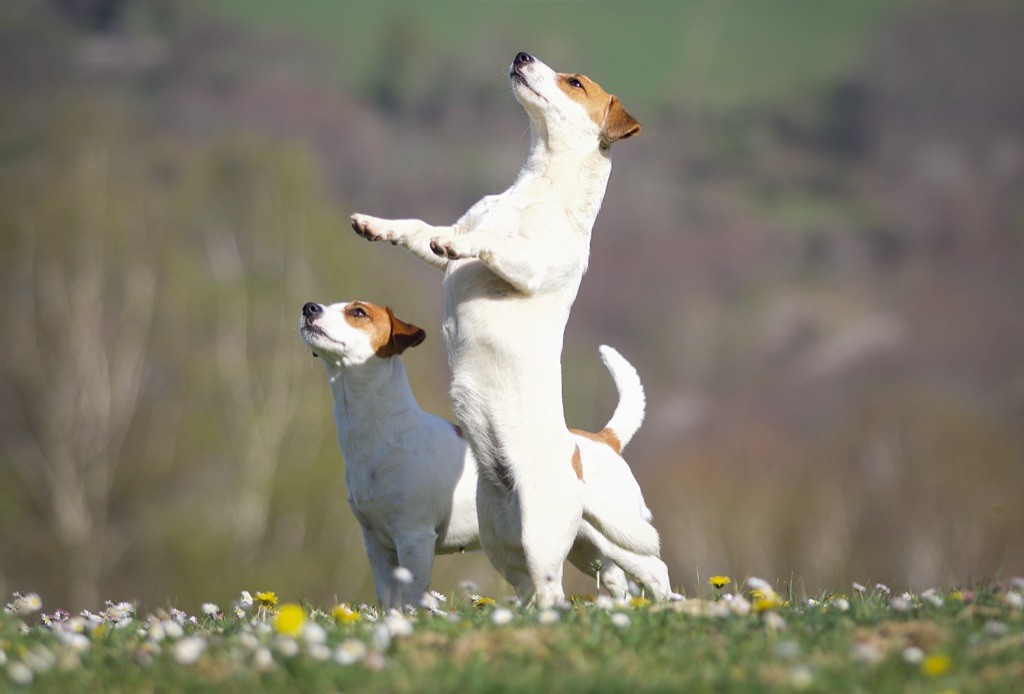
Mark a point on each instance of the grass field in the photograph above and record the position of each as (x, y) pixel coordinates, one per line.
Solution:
(870, 639)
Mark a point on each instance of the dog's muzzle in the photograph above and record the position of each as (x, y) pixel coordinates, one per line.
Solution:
(312, 311)
(521, 60)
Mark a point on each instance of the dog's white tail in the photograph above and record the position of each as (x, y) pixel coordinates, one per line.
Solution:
(626, 524)
(629, 413)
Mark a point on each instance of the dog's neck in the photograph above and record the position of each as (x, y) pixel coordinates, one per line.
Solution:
(369, 397)
(567, 162)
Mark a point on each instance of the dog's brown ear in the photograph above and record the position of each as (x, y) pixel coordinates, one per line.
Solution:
(618, 125)
(403, 336)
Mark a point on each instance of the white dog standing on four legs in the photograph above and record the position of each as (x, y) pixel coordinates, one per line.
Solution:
(412, 479)
(513, 266)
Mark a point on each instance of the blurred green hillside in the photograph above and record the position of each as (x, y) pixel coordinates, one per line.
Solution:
(814, 255)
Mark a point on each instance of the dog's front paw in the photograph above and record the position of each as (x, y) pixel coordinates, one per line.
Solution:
(450, 248)
(368, 228)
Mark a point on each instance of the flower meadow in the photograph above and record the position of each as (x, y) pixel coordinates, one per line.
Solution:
(728, 636)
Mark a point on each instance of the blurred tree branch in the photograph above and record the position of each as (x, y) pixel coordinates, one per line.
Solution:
(78, 366)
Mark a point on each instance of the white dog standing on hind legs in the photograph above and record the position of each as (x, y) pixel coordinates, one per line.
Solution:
(412, 479)
(513, 265)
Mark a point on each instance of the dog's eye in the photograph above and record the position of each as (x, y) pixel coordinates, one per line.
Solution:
(573, 82)
(357, 312)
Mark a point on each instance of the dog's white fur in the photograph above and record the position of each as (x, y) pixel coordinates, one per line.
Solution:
(513, 266)
(412, 479)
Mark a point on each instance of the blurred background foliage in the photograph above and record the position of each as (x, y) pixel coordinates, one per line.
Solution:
(814, 254)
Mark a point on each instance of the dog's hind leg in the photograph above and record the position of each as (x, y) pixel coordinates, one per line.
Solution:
(552, 512)
(411, 234)
(500, 532)
(590, 560)
(647, 569)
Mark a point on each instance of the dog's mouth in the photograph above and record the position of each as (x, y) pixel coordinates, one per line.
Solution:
(519, 79)
(310, 334)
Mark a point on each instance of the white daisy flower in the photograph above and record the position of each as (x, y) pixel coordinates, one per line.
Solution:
(313, 633)
(548, 616)
(402, 575)
(620, 620)
(263, 659)
(173, 630)
(188, 650)
(286, 646)
(901, 603)
(156, 631)
(349, 652)
(501, 616)
(719, 610)
(740, 606)
(381, 637)
(760, 584)
(319, 651)
(429, 601)
(210, 609)
(41, 659)
(24, 605)
(398, 626)
(912, 655)
(19, 673)
(867, 653)
(119, 611)
(774, 621)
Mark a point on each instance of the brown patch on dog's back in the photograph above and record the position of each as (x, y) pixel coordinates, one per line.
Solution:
(577, 463)
(605, 436)
(389, 335)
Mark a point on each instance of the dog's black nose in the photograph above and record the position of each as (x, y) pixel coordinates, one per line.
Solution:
(312, 310)
(522, 58)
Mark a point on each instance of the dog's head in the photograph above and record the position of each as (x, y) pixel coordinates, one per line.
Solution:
(355, 332)
(569, 104)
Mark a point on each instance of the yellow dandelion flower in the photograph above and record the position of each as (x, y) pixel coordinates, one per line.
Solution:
(267, 598)
(637, 603)
(957, 596)
(765, 603)
(289, 619)
(483, 601)
(343, 614)
(719, 582)
(936, 665)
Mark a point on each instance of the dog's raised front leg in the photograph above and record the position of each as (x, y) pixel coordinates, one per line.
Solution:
(411, 234)
(511, 259)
